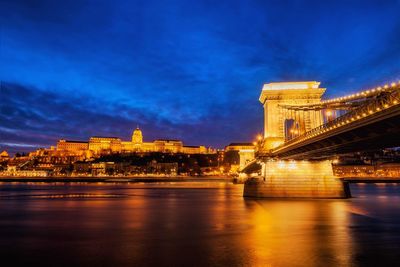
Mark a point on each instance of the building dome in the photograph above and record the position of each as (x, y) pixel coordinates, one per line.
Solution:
(137, 136)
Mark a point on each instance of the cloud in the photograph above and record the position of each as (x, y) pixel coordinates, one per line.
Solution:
(180, 69)
(32, 118)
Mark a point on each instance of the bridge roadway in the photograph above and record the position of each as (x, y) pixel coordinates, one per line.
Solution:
(377, 125)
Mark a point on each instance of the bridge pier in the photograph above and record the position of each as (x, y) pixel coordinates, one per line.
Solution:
(296, 179)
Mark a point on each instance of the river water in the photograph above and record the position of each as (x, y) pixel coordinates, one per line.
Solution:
(194, 224)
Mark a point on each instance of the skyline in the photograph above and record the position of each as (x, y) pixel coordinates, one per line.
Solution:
(178, 71)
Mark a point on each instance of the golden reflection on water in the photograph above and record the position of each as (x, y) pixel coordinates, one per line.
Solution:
(299, 233)
(182, 224)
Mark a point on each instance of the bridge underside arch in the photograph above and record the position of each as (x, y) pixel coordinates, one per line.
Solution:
(252, 167)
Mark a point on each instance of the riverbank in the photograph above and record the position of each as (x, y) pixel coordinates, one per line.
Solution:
(142, 179)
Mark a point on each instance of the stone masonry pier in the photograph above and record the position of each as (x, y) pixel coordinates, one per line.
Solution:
(296, 179)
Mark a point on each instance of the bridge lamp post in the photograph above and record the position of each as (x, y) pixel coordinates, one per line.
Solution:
(258, 142)
(293, 133)
(328, 114)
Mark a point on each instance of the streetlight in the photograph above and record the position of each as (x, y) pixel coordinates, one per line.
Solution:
(328, 114)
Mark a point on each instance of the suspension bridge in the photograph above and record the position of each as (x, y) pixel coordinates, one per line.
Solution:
(303, 134)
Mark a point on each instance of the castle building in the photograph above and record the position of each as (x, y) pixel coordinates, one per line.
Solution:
(173, 146)
(137, 144)
(101, 145)
(97, 144)
(67, 145)
(137, 136)
(4, 156)
(194, 150)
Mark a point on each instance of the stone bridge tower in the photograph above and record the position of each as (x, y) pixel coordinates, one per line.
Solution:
(278, 120)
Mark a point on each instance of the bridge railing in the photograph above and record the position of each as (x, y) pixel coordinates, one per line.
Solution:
(371, 107)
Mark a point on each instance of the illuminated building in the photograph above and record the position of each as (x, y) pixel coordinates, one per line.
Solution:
(353, 170)
(136, 145)
(137, 136)
(105, 145)
(388, 170)
(194, 150)
(4, 156)
(99, 144)
(29, 173)
(66, 145)
(165, 145)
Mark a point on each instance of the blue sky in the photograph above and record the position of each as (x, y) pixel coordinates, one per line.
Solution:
(191, 70)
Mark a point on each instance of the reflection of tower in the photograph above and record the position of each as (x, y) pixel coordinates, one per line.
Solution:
(137, 137)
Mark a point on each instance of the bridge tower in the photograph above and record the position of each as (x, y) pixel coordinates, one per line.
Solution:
(285, 118)
(280, 123)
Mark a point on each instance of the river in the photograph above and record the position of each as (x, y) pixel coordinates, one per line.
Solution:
(194, 224)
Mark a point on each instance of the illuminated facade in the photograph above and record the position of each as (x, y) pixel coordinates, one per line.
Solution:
(67, 145)
(194, 150)
(4, 156)
(280, 122)
(386, 170)
(105, 145)
(165, 145)
(98, 144)
(137, 136)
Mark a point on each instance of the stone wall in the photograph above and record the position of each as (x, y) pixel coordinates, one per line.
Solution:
(297, 179)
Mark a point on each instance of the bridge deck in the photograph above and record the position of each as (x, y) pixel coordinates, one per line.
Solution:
(376, 125)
